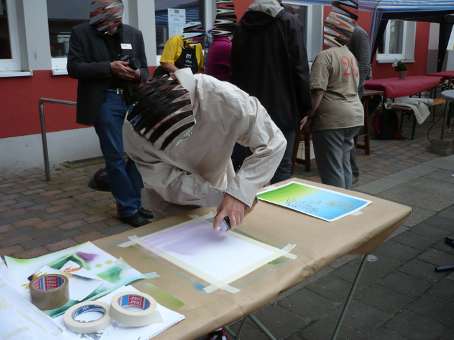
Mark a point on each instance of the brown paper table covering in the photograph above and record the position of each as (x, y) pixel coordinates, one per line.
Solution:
(318, 243)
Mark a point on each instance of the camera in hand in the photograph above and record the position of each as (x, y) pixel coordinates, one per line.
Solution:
(130, 60)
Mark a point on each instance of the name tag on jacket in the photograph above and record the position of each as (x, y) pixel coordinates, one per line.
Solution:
(126, 46)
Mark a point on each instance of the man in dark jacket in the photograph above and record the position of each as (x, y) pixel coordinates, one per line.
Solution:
(269, 61)
(108, 58)
(359, 45)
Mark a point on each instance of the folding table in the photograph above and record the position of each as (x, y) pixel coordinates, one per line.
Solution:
(318, 243)
(395, 87)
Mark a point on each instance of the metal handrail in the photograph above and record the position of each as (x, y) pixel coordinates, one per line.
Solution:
(42, 121)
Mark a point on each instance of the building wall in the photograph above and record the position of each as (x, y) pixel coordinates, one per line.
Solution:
(20, 143)
(20, 139)
(19, 108)
(418, 67)
(383, 70)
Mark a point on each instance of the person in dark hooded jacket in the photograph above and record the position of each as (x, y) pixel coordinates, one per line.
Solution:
(269, 61)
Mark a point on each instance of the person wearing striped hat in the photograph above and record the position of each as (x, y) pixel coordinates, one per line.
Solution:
(219, 53)
(181, 133)
(337, 114)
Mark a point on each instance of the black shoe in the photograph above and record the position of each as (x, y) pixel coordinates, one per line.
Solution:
(146, 213)
(136, 220)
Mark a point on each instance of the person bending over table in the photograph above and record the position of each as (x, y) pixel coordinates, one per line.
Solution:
(181, 133)
(337, 114)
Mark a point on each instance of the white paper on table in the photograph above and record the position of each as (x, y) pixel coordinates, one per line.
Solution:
(79, 288)
(82, 272)
(20, 269)
(216, 257)
(20, 320)
(114, 332)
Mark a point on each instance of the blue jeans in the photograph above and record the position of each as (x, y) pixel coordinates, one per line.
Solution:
(126, 182)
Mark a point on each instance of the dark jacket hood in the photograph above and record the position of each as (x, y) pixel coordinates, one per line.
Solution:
(261, 13)
(254, 20)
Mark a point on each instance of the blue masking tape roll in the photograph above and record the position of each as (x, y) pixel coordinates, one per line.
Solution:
(133, 309)
(74, 323)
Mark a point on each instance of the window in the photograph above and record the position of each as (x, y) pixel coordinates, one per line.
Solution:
(451, 41)
(181, 11)
(5, 41)
(398, 42)
(62, 16)
(9, 41)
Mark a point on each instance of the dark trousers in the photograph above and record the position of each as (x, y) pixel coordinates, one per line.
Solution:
(126, 182)
(355, 169)
(332, 153)
(285, 169)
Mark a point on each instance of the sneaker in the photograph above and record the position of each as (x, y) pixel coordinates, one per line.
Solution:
(136, 220)
(219, 334)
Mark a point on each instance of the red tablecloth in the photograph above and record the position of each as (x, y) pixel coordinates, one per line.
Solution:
(396, 87)
(444, 74)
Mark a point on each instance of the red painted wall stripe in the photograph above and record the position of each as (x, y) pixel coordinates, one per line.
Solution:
(19, 104)
(20, 96)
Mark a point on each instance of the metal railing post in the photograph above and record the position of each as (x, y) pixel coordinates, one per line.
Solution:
(42, 122)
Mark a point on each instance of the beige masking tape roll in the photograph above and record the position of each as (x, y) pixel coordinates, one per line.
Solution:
(133, 309)
(75, 323)
(49, 291)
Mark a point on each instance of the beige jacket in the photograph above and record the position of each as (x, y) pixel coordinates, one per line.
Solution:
(197, 171)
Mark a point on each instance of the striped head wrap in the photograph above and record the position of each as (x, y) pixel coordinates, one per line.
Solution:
(106, 14)
(193, 30)
(225, 22)
(340, 23)
(163, 112)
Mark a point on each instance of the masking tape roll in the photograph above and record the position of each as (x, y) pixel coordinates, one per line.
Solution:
(85, 327)
(49, 291)
(133, 309)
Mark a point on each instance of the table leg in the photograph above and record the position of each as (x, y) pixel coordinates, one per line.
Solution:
(445, 120)
(257, 322)
(307, 152)
(262, 327)
(349, 298)
(351, 293)
(365, 132)
(237, 335)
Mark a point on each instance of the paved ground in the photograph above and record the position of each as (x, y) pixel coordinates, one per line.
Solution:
(400, 297)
